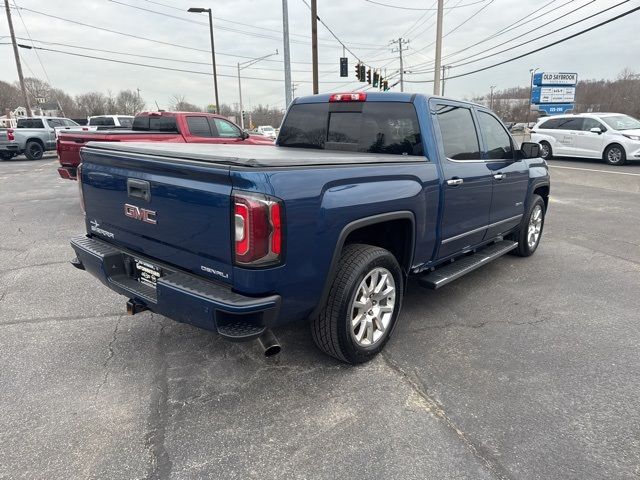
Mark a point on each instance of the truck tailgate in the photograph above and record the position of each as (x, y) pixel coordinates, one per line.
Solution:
(176, 212)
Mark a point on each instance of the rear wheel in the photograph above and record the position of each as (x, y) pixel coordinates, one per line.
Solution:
(614, 155)
(530, 230)
(545, 151)
(363, 305)
(34, 150)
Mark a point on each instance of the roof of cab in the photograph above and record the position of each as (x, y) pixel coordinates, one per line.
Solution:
(379, 97)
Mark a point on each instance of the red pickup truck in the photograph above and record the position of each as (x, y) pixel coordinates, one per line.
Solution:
(176, 127)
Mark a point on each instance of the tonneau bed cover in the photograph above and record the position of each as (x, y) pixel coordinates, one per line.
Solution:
(250, 155)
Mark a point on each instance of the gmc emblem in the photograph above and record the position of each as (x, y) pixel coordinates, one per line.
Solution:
(142, 214)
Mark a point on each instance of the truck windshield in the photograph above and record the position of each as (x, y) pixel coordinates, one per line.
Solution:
(373, 127)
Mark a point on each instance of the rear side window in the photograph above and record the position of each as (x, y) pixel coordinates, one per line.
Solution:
(199, 126)
(496, 139)
(155, 123)
(458, 132)
(551, 124)
(373, 127)
(570, 124)
(30, 123)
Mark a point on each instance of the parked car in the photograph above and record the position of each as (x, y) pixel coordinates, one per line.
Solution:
(361, 191)
(267, 131)
(33, 136)
(518, 128)
(180, 127)
(509, 125)
(110, 121)
(612, 137)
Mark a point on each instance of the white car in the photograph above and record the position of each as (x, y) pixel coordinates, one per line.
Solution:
(107, 122)
(267, 131)
(613, 137)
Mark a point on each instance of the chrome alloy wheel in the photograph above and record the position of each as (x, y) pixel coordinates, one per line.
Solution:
(535, 226)
(544, 150)
(372, 307)
(614, 155)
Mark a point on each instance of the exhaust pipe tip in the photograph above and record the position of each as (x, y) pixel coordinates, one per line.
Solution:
(269, 343)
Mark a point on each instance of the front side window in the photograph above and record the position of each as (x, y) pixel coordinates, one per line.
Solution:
(69, 123)
(458, 131)
(496, 139)
(590, 123)
(55, 122)
(199, 126)
(226, 129)
(621, 122)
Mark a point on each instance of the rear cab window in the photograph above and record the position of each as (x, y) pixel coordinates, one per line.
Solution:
(371, 127)
(158, 123)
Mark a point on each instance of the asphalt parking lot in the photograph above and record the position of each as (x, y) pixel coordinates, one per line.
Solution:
(526, 368)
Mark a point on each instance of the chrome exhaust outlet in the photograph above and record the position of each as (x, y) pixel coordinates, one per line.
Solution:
(269, 343)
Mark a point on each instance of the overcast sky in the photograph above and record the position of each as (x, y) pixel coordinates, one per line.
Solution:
(364, 27)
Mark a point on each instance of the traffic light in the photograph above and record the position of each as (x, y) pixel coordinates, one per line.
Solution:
(385, 86)
(344, 67)
(376, 77)
(369, 76)
(380, 82)
(358, 72)
(363, 69)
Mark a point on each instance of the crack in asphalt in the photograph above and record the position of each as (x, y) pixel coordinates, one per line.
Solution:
(23, 267)
(160, 464)
(59, 319)
(477, 449)
(477, 325)
(110, 355)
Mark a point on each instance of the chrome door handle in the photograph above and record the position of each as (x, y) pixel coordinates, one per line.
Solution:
(499, 176)
(455, 181)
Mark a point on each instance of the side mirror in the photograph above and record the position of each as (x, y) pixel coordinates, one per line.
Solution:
(597, 130)
(530, 150)
(244, 135)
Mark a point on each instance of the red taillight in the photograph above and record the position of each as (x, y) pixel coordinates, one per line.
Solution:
(348, 97)
(10, 135)
(85, 129)
(257, 229)
(79, 178)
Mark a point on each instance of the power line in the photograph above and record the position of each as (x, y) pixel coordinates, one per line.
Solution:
(473, 58)
(158, 67)
(138, 37)
(531, 52)
(152, 57)
(422, 9)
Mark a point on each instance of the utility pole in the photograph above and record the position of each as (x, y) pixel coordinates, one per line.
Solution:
(314, 44)
(492, 87)
(436, 74)
(23, 87)
(294, 87)
(445, 69)
(241, 66)
(287, 58)
(401, 42)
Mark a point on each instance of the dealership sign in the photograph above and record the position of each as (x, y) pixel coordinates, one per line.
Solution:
(553, 92)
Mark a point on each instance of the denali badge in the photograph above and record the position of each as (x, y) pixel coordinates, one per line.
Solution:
(142, 214)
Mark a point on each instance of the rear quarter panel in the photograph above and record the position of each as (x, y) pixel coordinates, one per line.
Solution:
(319, 203)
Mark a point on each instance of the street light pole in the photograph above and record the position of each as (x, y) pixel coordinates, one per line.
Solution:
(241, 66)
(531, 72)
(436, 75)
(213, 51)
(287, 57)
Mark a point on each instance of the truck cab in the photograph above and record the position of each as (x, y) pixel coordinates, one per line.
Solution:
(361, 191)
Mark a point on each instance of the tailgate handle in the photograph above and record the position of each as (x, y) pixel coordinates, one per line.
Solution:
(139, 189)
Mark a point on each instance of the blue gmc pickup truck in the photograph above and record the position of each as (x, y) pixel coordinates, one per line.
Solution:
(361, 191)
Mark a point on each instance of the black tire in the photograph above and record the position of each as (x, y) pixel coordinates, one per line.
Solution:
(6, 155)
(615, 155)
(33, 150)
(331, 329)
(545, 150)
(522, 234)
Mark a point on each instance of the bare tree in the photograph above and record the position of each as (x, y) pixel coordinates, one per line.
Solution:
(178, 103)
(91, 104)
(10, 97)
(128, 102)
